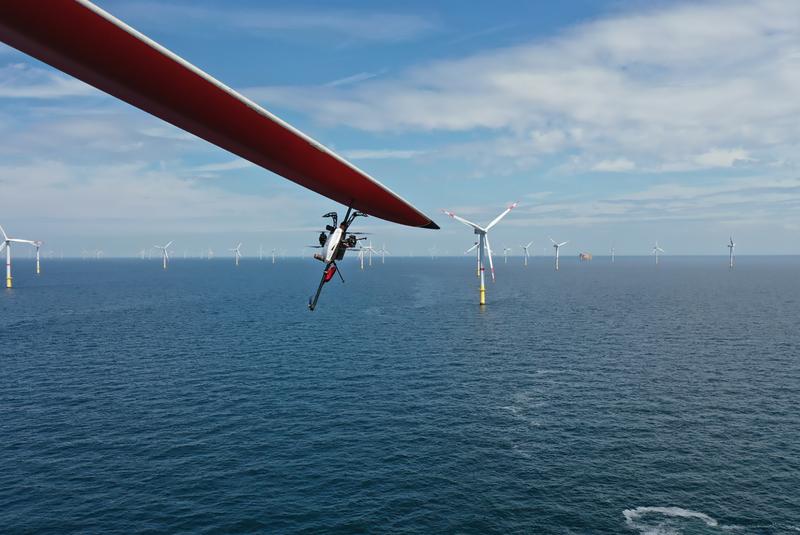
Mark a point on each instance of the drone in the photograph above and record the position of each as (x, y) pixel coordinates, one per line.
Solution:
(334, 241)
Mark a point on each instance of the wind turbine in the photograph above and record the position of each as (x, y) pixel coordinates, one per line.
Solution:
(483, 244)
(383, 252)
(7, 244)
(37, 244)
(274, 252)
(164, 253)
(369, 250)
(557, 247)
(612, 254)
(731, 247)
(237, 253)
(525, 252)
(261, 251)
(657, 250)
(506, 250)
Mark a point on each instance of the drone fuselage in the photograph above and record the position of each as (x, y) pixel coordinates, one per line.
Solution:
(332, 244)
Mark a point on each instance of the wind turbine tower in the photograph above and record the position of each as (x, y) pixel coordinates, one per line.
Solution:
(164, 254)
(361, 257)
(7, 244)
(732, 257)
(237, 253)
(383, 252)
(506, 250)
(557, 247)
(37, 244)
(370, 250)
(484, 248)
(525, 252)
(612, 255)
(656, 251)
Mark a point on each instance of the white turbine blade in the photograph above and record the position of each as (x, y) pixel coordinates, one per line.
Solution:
(529, 244)
(471, 248)
(461, 219)
(497, 219)
(5, 236)
(2, 246)
(489, 251)
(552, 240)
(166, 254)
(563, 243)
(167, 245)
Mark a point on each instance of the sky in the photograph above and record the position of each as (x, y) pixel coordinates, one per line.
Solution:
(614, 124)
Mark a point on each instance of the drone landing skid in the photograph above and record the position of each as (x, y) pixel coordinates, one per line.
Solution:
(327, 275)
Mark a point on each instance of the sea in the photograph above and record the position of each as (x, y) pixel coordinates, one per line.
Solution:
(605, 398)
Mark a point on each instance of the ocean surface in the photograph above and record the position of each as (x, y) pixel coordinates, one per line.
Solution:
(605, 398)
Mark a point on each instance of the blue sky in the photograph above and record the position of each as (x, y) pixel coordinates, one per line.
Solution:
(613, 123)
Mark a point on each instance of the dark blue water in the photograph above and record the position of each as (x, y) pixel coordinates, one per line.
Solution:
(207, 399)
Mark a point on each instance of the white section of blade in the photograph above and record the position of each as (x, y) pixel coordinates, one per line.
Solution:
(497, 219)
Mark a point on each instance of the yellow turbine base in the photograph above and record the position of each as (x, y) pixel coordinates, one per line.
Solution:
(8, 282)
(483, 295)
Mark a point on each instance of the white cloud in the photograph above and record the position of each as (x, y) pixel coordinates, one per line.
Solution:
(673, 202)
(20, 80)
(225, 166)
(618, 164)
(722, 158)
(661, 87)
(132, 198)
(361, 25)
(382, 154)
